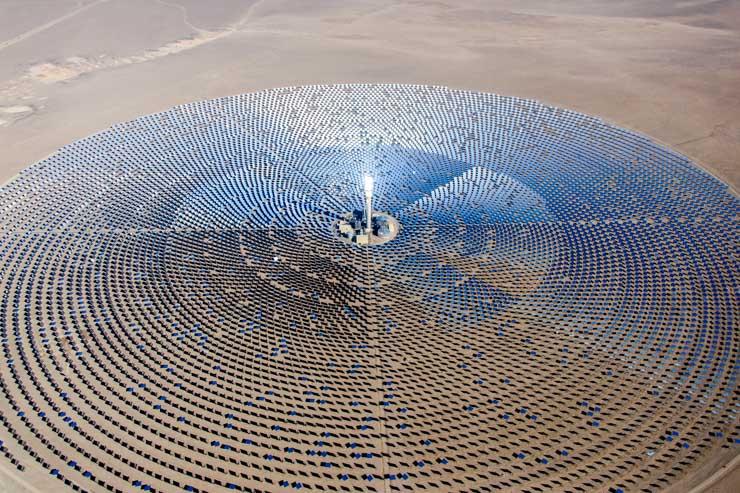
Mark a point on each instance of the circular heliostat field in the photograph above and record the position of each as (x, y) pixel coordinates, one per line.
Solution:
(556, 312)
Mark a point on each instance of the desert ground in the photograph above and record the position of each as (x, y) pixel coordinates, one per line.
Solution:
(669, 69)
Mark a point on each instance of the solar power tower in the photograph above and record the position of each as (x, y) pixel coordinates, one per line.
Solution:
(368, 192)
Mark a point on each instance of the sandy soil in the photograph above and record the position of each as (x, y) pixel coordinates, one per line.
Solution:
(667, 68)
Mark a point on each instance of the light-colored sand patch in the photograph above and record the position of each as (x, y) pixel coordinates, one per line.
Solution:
(12, 110)
(13, 113)
(73, 67)
(51, 72)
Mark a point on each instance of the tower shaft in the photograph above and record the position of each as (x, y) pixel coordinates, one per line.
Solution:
(368, 187)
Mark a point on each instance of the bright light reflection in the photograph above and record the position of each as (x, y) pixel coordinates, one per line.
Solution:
(368, 184)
